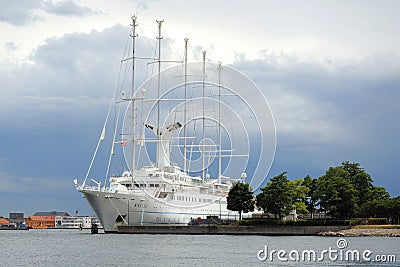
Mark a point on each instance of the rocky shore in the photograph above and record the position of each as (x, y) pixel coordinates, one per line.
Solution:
(365, 232)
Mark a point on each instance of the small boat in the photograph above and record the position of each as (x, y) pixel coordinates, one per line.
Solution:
(94, 229)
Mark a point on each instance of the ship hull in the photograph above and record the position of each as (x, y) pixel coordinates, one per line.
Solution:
(115, 209)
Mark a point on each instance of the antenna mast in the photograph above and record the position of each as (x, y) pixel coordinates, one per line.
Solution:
(159, 133)
(219, 123)
(134, 35)
(204, 118)
(184, 112)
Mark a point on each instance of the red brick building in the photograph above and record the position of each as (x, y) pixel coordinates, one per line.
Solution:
(43, 220)
(4, 221)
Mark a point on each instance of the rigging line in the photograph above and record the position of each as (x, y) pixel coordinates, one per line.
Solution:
(191, 147)
(150, 67)
(140, 146)
(145, 37)
(211, 166)
(112, 145)
(102, 136)
(152, 54)
(194, 53)
(172, 43)
(119, 213)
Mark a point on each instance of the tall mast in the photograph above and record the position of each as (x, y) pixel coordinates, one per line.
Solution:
(134, 35)
(219, 123)
(184, 112)
(159, 133)
(204, 118)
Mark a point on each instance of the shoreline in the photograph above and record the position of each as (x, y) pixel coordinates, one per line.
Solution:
(378, 231)
(270, 230)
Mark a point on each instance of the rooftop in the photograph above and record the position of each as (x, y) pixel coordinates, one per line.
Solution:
(51, 213)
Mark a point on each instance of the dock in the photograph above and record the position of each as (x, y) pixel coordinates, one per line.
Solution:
(268, 230)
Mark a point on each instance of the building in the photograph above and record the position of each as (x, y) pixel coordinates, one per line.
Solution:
(17, 218)
(43, 220)
(4, 221)
(73, 222)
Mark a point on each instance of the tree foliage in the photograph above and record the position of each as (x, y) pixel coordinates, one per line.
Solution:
(343, 192)
(394, 209)
(276, 196)
(337, 195)
(240, 198)
(376, 204)
(299, 193)
(311, 199)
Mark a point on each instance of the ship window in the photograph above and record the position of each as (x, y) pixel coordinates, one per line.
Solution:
(163, 195)
(157, 185)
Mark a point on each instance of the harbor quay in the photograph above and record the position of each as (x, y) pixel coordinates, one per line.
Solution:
(47, 220)
(269, 230)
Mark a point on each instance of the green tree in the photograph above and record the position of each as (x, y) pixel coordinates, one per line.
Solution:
(377, 204)
(276, 196)
(240, 198)
(299, 195)
(337, 195)
(361, 181)
(312, 195)
(394, 209)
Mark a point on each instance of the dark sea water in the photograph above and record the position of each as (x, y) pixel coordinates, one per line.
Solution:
(80, 248)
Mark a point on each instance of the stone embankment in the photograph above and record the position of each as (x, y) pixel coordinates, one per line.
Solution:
(365, 232)
(230, 230)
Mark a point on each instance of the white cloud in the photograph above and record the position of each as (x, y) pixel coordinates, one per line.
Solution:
(11, 46)
(68, 8)
(19, 12)
(24, 12)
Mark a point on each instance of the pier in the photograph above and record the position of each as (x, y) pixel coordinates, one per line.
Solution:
(280, 230)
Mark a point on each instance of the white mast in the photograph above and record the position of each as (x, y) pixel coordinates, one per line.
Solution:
(184, 112)
(204, 119)
(219, 124)
(134, 35)
(159, 133)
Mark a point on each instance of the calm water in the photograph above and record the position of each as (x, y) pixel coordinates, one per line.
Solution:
(75, 248)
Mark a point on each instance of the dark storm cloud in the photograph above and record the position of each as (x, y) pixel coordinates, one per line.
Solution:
(53, 108)
(55, 104)
(332, 111)
(24, 12)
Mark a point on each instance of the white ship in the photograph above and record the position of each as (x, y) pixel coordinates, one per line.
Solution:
(162, 193)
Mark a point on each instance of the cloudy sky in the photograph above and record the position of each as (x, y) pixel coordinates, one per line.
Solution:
(330, 71)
